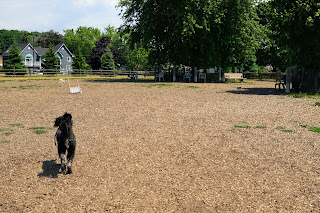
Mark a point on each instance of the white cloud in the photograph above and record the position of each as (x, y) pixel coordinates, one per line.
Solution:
(41, 16)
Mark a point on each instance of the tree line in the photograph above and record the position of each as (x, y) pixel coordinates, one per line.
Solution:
(93, 48)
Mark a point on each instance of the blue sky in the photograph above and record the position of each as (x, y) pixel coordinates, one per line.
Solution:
(58, 15)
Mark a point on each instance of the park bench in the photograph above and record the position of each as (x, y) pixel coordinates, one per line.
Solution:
(233, 76)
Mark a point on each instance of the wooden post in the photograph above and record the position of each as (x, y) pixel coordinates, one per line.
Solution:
(174, 74)
(288, 80)
(195, 77)
(219, 74)
(315, 80)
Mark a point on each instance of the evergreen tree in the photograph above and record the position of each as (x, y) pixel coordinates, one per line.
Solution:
(15, 59)
(51, 60)
(79, 62)
(107, 62)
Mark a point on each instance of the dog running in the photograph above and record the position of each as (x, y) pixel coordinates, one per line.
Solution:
(66, 141)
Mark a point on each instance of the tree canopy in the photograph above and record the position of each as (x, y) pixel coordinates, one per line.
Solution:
(192, 32)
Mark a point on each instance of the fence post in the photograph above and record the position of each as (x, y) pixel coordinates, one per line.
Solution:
(288, 80)
(14, 72)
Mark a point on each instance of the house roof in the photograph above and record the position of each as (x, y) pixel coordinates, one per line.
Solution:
(20, 46)
(39, 50)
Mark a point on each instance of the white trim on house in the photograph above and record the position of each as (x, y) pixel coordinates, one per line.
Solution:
(63, 45)
(28, 60)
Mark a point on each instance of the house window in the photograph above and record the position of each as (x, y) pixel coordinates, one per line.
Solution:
(29, 60)
(69, 59)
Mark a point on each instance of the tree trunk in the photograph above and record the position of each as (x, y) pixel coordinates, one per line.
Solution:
(195, 77)
(315, 80)
(288, 80)
(174, 74)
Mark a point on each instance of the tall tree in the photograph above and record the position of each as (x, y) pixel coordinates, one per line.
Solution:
(100, 48)
(297, 27)
(15, 60)
(51, 60)
(192, 32)
(107, 62)
(83, 38)
(79, 61)
(49, 38)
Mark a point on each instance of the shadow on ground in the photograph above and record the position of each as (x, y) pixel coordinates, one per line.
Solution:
(120, 80)
(50, 169)
(257, 91)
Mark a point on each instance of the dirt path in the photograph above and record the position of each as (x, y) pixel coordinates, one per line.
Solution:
(159, 148)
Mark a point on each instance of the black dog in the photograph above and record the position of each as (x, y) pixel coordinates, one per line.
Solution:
(66, 142)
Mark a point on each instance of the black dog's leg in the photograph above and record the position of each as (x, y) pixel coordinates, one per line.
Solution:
(62, 154)
(70, 156)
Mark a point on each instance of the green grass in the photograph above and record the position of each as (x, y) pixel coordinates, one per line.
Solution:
(260, 127)
(17, 125)
(4, 129)
(193, 87)
(304, 95)
(29, 87)
(286, 130)
(39, 130)
(317, 104)
(242, 127)
(159, 85)
(283, 129)
(6, 141)
(314, 129)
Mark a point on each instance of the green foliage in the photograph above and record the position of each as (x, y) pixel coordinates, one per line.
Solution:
(82, 38)
(51, 60)
(101, 47)
(297, 28)
(79, 61)
(15, 61)
(46, 39)
(10, 37)
(317, 104)
(194, 33)
(107, 62)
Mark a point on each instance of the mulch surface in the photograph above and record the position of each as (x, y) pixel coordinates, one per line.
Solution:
(147, 147)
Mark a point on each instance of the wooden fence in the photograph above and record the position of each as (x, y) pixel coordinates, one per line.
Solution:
(75, 73)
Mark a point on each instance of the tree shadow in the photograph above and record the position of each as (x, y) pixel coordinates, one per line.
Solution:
(257, 91)
(140, 80)
(50, 169)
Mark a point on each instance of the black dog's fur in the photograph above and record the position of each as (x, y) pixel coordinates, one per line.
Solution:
(66, 142)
